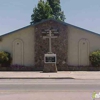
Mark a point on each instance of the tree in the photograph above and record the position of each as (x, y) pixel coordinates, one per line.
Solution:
(56, 10)
(42, 11)
(47, 9)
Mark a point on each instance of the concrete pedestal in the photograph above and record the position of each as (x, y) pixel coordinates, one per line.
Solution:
(50, 67)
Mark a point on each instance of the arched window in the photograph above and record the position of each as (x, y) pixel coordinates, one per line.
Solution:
(83, 52)
(18, 52)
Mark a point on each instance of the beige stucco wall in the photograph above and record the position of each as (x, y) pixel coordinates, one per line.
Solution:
(26, 35)
(74, 36)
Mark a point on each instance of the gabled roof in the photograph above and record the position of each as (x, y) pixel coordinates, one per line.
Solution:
(64, 23)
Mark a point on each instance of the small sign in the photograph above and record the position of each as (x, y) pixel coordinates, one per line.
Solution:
(50, 58)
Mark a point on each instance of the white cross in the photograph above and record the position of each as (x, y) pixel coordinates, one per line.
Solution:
(50, 37)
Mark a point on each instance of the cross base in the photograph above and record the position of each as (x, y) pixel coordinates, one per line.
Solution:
(50, 67)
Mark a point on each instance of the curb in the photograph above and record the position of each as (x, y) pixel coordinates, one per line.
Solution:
(36, 78)
(48, 78)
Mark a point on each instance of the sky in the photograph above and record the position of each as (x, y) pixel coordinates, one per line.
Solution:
(15, 14)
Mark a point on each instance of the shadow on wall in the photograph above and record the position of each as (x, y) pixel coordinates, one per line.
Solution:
(33, 68)
(79, 68)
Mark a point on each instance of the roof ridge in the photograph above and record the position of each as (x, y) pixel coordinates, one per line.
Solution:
(61, 22)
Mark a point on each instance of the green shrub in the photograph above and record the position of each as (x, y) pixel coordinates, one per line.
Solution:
(5, 59)
(95, 58)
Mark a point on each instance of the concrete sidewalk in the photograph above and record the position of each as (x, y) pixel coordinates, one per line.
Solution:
(58, 75)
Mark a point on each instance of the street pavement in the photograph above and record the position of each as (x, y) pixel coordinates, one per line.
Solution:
(48, 89)
(63, 85)
(58, 75)
(48, 85)
(48, 96)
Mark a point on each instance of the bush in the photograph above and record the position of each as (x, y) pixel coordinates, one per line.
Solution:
(5, 59)
(95, 58)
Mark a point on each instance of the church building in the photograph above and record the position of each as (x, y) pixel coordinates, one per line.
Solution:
(72, 45)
